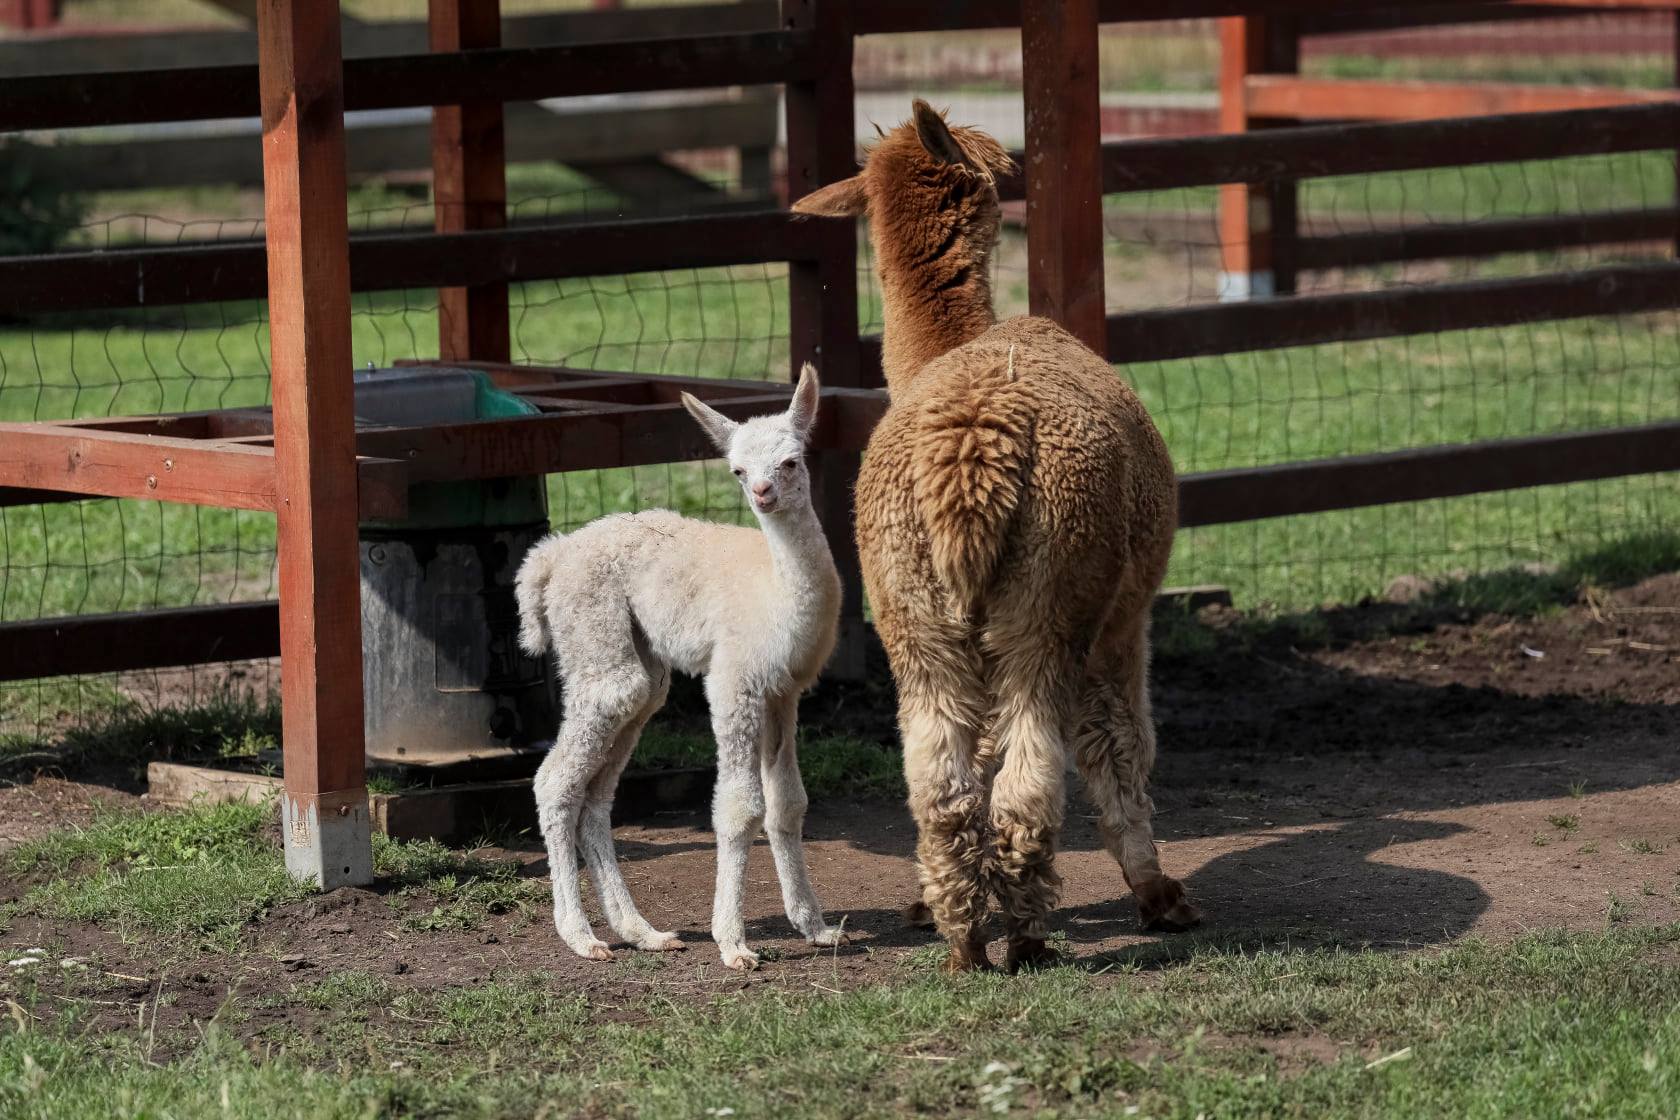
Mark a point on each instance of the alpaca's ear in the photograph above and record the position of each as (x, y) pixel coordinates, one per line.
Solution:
(802, 412)
(718, 427)
(845, 199)
(936, 135)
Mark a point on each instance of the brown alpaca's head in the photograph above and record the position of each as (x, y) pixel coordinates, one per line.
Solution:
(930, 191)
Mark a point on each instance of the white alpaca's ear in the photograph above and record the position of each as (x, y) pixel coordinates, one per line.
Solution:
(719, 428)
(936, 136)
(845, 199)
(802, 410)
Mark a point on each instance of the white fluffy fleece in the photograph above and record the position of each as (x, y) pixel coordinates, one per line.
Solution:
(627, 598)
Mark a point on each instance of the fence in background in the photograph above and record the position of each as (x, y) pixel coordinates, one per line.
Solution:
(787, 290)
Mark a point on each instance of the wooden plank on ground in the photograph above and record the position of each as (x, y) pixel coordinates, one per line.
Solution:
(176, 785)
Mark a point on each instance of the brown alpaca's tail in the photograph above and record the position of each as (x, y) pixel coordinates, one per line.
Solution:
(971, 456)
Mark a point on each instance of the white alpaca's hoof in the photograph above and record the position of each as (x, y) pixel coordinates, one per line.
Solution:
(657, 942)
(828, 938)
(741, 960)
(593, 951)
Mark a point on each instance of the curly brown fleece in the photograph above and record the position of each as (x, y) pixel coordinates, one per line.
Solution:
(1015, 514)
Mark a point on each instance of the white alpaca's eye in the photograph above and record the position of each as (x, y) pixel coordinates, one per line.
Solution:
(737, 471)
(789, 464)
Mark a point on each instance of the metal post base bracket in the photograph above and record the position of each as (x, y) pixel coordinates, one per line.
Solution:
(327, 836)
(1239, 287)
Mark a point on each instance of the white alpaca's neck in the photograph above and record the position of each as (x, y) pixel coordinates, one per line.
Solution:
(799, 554)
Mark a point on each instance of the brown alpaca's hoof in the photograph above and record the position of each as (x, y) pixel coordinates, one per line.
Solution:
(918, 915)
(967, 958)
(1163, 908)
(1031, 954)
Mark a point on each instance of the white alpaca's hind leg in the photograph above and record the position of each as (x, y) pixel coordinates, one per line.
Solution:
(559, 787)
(784, 821)
(595, 837)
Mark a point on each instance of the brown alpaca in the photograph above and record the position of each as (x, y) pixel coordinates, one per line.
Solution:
(1015, 513)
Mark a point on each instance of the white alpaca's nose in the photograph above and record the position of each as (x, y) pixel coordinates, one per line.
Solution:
(761, 490)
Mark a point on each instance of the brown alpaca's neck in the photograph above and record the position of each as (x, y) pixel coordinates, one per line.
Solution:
(931, 308)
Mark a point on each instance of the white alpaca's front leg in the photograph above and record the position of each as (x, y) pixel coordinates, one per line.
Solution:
(784, 820)
(737, 815)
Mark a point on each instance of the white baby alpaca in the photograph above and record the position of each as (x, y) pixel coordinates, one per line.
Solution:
(627, 597)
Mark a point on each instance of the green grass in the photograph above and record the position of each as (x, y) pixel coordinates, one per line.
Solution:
(465, 889)
(121, 733)
(1554, 67)
(181, 881)
(1549, 1025)
(198, 878)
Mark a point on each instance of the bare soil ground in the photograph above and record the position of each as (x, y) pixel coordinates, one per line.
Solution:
(1409, 779)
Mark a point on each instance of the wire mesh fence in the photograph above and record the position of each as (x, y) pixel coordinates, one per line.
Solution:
(101, 556)
(1162, 250)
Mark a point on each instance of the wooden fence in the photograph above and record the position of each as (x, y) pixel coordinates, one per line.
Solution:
(305, 461)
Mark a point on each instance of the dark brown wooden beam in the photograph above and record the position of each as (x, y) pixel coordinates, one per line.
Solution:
(469, 184)
(115, 643)
(1312, 320)
(1357, 481)
(1318, 150)
(324, 808)
(216, 273)
(896, 16)
(1488, 238)
(1427, 14)
(406, 81)
(1063, 172)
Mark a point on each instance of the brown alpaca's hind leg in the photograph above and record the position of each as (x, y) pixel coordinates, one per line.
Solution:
(948, 802)
(1115, 750)
(1029, 714)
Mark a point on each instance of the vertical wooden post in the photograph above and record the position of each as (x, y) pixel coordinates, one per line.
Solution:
(469, 184)
(324, 810)
(822, 294)
(29, 15)
(1257, 221)
(1674, 46)
(1064, 170)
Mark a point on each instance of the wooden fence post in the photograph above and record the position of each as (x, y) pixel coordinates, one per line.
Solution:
(1257, 221)
(1064, 171)
(29, 15)
(469, 184)
(324, 810)
(822, 294)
